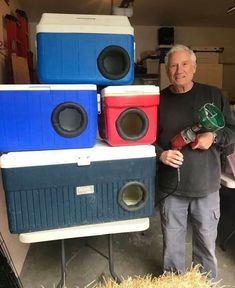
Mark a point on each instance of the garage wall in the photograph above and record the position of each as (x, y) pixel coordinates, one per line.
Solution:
(16, 249)
(146, 40)
(218, 37)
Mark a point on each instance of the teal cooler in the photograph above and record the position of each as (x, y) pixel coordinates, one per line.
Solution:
(63, 188)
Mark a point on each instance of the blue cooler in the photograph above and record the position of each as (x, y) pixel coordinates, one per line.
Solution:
(86, 49)
(63, 188)
(40, 117)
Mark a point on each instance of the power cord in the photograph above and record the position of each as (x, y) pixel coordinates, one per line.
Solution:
(176, 187)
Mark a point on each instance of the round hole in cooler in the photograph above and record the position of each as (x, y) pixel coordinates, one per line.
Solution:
(69, 119)
(132, 196)
(113, 62)
(132, 124)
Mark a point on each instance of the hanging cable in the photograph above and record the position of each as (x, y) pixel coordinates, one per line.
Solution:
(176, 187)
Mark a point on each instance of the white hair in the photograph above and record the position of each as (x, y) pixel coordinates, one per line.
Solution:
(179, 47)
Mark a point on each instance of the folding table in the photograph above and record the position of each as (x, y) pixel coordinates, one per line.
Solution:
(109, 228)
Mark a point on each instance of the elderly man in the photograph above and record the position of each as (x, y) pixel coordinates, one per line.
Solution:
(192, 194)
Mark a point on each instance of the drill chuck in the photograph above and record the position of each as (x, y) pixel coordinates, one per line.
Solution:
(183, 138)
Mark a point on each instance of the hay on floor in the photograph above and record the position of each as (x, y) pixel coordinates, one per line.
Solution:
(191, 279)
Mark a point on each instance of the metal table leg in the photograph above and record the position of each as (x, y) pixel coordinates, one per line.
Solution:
(109, 257)
(62, 284)
(63, 267)
(111, 264)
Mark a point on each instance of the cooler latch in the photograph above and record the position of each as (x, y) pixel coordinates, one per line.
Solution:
(98, 103)
(84, 161)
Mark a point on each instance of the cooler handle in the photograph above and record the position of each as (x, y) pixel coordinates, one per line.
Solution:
(84, 161)
(41, 87)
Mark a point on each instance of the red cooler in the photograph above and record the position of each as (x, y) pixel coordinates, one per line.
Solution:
(129, 114)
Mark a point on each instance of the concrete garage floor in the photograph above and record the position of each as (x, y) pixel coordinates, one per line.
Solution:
(135, 253)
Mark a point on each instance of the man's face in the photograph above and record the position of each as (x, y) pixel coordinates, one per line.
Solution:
(181, 69)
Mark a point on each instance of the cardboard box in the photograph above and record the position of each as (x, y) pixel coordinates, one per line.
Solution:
(163, 79)
(207, 57)
(20, 69)
(152, 66)
(211, 74)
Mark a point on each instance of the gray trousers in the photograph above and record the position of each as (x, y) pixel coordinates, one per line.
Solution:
(204, 213)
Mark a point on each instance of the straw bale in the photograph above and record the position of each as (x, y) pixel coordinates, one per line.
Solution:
(190, 279)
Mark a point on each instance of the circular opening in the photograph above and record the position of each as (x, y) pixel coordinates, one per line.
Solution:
(113, 62)
(132, 124)
(69, 119)
(133, 196)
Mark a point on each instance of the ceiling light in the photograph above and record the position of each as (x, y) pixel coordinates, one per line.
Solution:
(125, 8)
(122, 11)
(126, 3)
(231, 9)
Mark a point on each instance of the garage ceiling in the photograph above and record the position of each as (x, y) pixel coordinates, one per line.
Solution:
(209, 13)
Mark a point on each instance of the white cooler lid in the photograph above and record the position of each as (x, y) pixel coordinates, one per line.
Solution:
(23, 87)
(130, 90)
(84, 23)
(100, 152)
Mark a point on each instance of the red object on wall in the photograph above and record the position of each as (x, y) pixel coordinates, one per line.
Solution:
(18, 43)
(22, 34)
(11, 29)
(11, 44)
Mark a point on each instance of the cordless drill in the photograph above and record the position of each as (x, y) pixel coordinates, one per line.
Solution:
(210, 118)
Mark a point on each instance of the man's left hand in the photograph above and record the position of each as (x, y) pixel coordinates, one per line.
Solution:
(203, 141)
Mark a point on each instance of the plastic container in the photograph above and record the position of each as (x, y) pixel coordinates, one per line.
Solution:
(63, 188)
(43, 117)
(85, 49)
(129, 114)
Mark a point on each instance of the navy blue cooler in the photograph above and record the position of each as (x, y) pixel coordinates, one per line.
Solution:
(86, 49)
(63, 188)
(44, 117)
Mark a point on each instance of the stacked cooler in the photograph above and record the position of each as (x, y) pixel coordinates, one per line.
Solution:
(93, 49)
(55, 171)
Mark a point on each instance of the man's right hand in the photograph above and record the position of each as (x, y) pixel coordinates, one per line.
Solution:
(173, 158)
